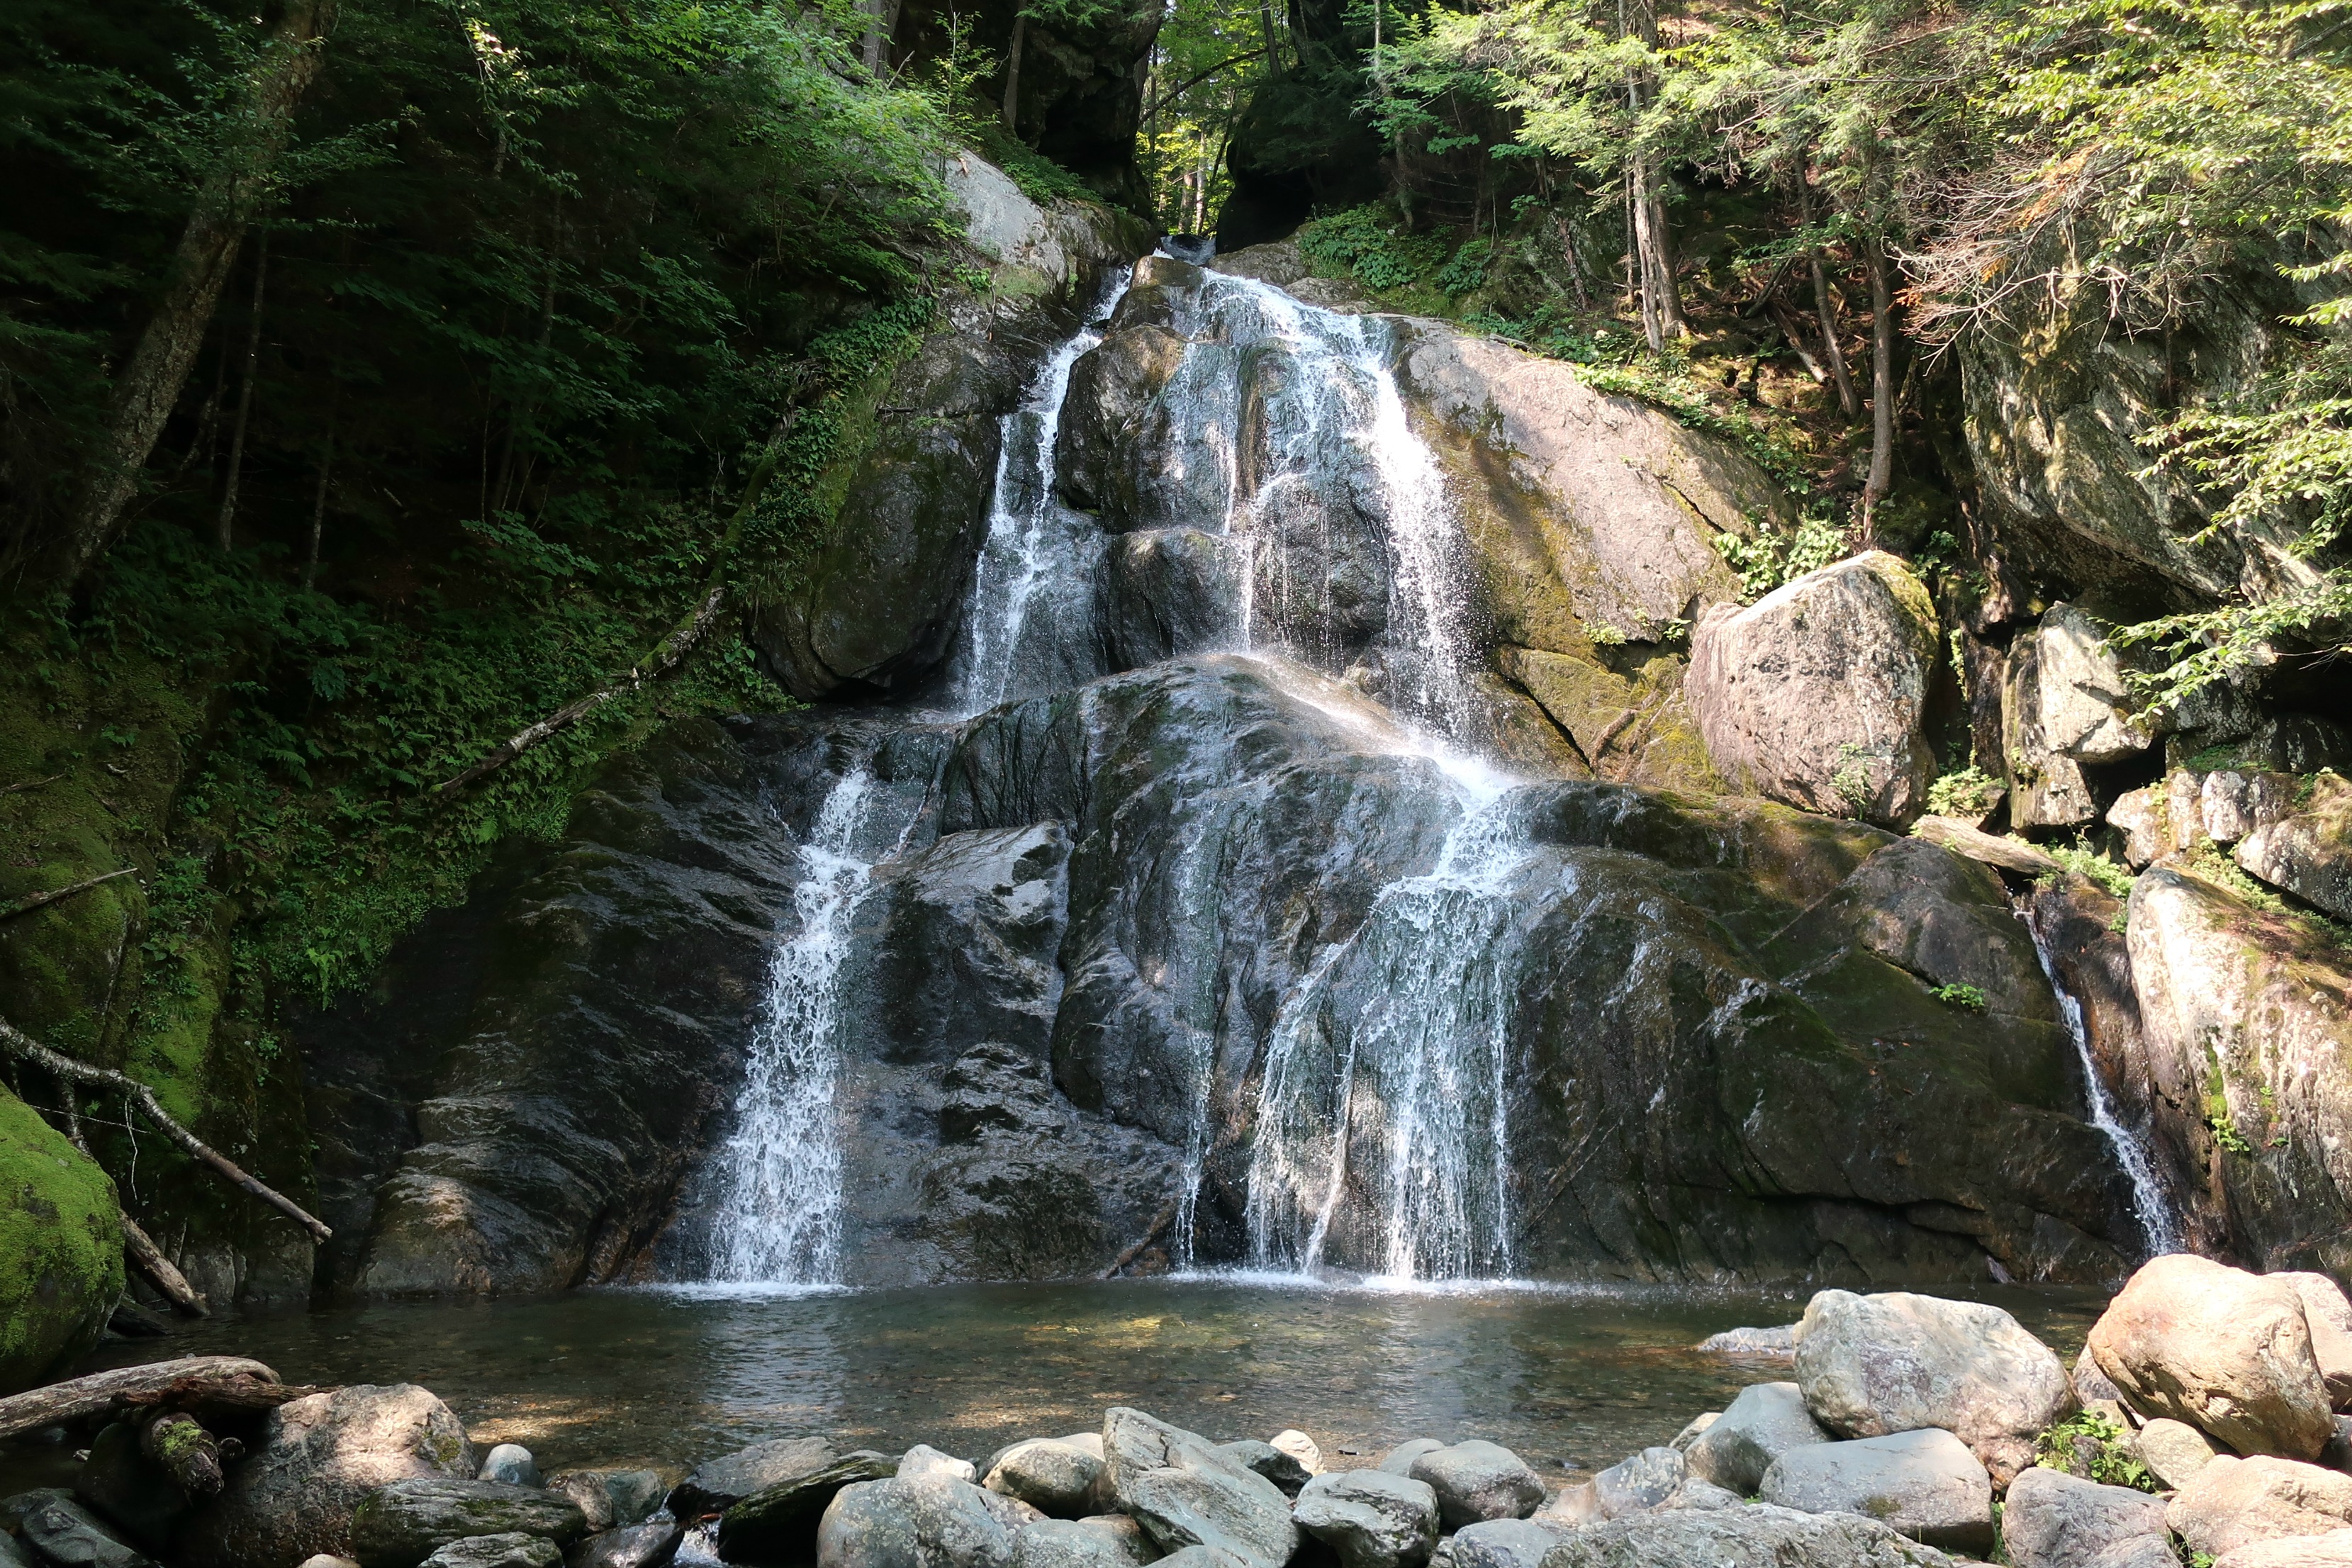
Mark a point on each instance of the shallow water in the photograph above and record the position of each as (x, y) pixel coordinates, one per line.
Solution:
(1573, 1379)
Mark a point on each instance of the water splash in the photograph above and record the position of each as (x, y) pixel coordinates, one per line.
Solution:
(2150, 1205)
(778, 1175)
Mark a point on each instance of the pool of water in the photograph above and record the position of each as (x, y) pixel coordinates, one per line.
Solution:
(1571, 1378)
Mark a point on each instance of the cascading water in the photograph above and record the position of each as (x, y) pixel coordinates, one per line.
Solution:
(2150, 1205)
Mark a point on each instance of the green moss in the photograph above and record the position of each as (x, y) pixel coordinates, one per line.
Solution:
(60, 1248)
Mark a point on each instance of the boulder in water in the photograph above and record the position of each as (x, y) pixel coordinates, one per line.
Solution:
(2052, 1520)
(69, 1535)
(1478, 1480)
(2228, 1351)
(648, 1545)
(1925, 1483)
(2232, 1502)
(400, 1525)
(1762, 1537)
(1372, 1519)
(1765, 1344)
(1764, 1422)
(780, 1522)
(318, 1456)
(934, 1523)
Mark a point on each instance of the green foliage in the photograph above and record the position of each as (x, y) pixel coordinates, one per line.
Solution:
(1969, 793)
(1467, 272)
(2082, 859)
(1371, 245)
(1770, 557)
(1967, 998)
(2091, 1445)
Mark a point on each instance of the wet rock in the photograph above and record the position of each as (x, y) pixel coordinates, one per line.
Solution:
(1184, 1492)
(1502, 1543)
(510, 1463)
(508, 1549)
(647, 1545)
(1283, 1469)
(1278, 262)
(1400, 1460)
(398, 1526)
(1762, 1537)
(1924, 1483)
(1872, 1366)
(2232, 1502)
(318, 1456)
(780, 1522)
(925, 1460)
(1167, 592)
(585, 1491)
(1055, 1477)
(1299, 1446)
(2307, 850)
(2226, 1351)
(2052, 1520)
(2173, 1450)
(1478, 1480)
(1776, 1343)
(1815, 694)
(1093, 1542)
(1100, 454)
(1756, 1427)
(2333, 1550)
(1639, 1483)
(929, 1523)
(718, 1485)
(69, 1535)
(1372, 1519)
(61, 1257)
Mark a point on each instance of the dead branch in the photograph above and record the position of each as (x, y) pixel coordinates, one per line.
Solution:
(17, 1043)
(25, 906)
(150, 1261)
(29, 783)
(1159, 1227)
(220, 1380)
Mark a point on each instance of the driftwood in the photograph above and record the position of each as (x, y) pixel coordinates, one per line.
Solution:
(184, 1451)
(1159, 1229)
(16, 1042)
(202, 1381)
(25, 906)
(149, 1258)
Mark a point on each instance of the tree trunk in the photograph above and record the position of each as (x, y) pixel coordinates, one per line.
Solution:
(244, 398)
(1644, 270)
(318, 507)
(1012, 74)
(150, 383)
(1882, 386)
(1824, 310)
(879, 34)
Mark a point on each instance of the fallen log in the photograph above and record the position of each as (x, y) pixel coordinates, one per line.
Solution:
(149, 1258)
(184, 1451)
(200, 1382)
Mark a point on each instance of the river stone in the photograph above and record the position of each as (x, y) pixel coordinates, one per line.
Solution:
(631, 1546)
(1502, 1543)
(1055, 1478)
(922, 1460)
(2052, 1520)
(2231, 1501)
(1765, 1421)
(718, 1485)
(1776, 1343)
(321, 1559)
(69, 1535)
(1185, 1492)
(2328, 1315)
(929, 1523)
(1758, 1536)
(317, 1458)
(2173, 1450)
(1478, 1480)
(628, 1493)
(1872, 1366)
(781, 1521)
(1372, 1519)
(1697, 1493)
(1925, 1483)
(510, 1463)
(1283, 1469)
(1398, 1460)
(399, 1525)
(2227, 1351)
(1815, 694)
(1639, 1483)
(1073, 1543)
(1290, 1441)
(2333, 1550)
(585, 1491)
(1206, 1557)
(508, 1549)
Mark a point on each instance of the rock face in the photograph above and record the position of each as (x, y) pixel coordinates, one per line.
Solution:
(1371, 1517)
(2233, 1503)
(60, 1248)
(1872, 1366)
(2225, 1350)
(2052, 1520)
(1814, 695)
(1761, 1536)
(1924, 1483)
(1763, 1422)
(318, 1456)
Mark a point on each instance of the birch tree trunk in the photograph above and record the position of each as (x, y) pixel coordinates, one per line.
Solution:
(1882, 386)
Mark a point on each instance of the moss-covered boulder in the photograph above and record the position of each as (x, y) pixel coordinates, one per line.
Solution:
(60, 1248)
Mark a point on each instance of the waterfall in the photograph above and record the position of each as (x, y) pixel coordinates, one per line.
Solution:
(2150, 1206)
(778, 1177)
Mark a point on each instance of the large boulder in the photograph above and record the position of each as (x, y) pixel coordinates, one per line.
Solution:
(648, 1545)
(400, 1525)
(2308, 851)
(2328, 1314)
(2223, 1349)
(1816, 693)
(2232, 1502)
(1762, 1536)
(1764, 1422)
(1478, 1480)
(2052, 1520)
(1925, 1483)
(2333, 1550)
(1372, 1519)
(1055, 1478)
(60, 1248)
(716, 1485)
(319, 1458)
(1185, 1492)
(1872, 1365)
(934, 1523)
(779, 1522)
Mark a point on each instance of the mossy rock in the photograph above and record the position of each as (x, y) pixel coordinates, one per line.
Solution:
(61, 1249)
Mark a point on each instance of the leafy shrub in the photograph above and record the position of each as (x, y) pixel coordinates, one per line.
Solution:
(1370, 243)
(1968, 792)
(2081, 858)
(1768, 558)
(1467, 272)
(2091, 1445)
(1967, 998)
